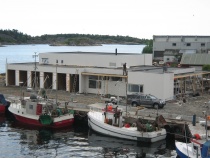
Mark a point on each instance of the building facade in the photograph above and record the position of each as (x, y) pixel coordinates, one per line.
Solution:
(97, 73)
(180, 44)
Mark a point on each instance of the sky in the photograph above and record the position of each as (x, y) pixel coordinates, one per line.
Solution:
(134, 18)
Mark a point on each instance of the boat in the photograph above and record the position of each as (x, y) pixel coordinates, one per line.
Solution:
(113, 146)
(41, 112)
(4, 104)
(109, 121)
(199, 145)
(196, 148)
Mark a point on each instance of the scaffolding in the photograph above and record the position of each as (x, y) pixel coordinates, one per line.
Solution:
(194, 84)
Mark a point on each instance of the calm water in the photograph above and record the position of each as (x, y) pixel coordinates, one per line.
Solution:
(18, 141)
(23, 53)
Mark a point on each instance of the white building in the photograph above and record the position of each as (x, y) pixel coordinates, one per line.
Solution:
(98, 73)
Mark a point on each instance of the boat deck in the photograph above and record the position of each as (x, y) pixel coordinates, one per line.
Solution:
(198, 129)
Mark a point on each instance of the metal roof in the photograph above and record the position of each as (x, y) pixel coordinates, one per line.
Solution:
(191, 74)
(195, 59)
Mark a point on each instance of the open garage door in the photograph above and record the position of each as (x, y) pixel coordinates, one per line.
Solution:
(23, 78)
(61, 81)
(33, 76)
(48, 78)
(74, 84)
(11, 77)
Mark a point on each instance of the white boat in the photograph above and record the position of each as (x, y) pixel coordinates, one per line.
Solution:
(196, 148)
(110, 122)
(38, 111)
(112, 146)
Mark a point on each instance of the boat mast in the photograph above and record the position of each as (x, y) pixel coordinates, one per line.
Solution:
(207, 107)
(56, 97)
(34, 56)
(126, 93)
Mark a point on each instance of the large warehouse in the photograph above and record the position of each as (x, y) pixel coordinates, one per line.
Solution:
(98, 73)
(175, 45)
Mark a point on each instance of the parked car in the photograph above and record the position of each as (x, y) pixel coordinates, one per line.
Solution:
(146, 100)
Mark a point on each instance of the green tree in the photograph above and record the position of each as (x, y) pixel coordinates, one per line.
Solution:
(148, 49)
(206, 68)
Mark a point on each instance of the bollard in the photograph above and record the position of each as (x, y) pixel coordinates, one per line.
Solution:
(194, 120)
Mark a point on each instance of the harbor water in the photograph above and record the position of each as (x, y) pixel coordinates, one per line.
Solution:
(19, 141)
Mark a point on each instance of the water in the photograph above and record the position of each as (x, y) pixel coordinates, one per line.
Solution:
(18, 141)
(23, 53)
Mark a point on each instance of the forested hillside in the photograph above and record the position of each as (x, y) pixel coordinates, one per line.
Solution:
(16, 37)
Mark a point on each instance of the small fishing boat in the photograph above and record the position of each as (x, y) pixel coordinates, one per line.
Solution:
(196, 148)
(3, 104)
(109, 121)
(38, 111)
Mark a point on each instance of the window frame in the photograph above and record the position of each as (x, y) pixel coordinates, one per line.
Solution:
(140, 88)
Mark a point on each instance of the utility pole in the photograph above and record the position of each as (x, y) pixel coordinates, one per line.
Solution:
(34, 56)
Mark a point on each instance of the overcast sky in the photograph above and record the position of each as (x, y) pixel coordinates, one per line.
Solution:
(135, 18)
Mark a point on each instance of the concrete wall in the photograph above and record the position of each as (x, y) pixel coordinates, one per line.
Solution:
(160, 85)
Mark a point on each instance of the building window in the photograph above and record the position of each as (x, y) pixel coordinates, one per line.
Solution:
(135, 88)
(168, 59)
(56, 61)
(173, 44)
(105, 78)
(116, 79)
(95, 82)
(202, 44)
(61, 61)
(188, 44)
(45, 60)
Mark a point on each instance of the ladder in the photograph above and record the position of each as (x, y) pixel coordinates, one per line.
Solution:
(75, 81)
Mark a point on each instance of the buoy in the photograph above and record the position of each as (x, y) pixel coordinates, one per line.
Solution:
(197, 136)
(109, 107)
(127, 125)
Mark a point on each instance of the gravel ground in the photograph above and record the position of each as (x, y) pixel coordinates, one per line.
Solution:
(193, 105)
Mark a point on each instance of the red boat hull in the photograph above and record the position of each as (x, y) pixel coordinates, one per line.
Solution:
(2, 109)
(55, 125)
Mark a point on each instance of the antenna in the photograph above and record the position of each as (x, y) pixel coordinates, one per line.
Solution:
(34, 56)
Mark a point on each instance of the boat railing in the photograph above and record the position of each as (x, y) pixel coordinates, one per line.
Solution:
(16, 103)
(94, 109)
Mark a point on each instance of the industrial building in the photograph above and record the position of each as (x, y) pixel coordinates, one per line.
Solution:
(98, 73)
(168, 48)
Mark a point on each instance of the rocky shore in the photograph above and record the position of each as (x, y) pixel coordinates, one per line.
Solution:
(193, 105)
